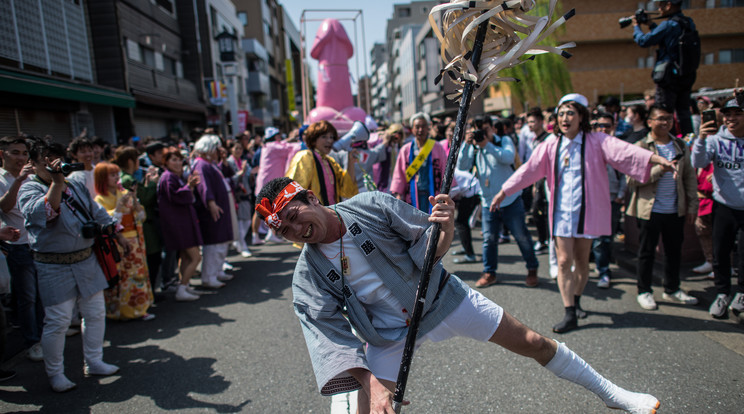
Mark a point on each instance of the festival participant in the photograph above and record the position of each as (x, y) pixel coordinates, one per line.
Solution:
(314, 169)
(132, 296)
(212, 204)
(576, 215)
(723, 148)
(359, 268)
(180, 224)
(68, 270)
(243, 196)
(419, 167)
(383, 171)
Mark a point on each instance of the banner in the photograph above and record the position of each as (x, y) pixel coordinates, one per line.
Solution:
(217, 93)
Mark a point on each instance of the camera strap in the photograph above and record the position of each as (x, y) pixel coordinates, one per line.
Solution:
(70, 201)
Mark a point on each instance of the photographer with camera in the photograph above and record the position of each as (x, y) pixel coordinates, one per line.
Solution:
(493, 159)
(68, 272)
(677, 57)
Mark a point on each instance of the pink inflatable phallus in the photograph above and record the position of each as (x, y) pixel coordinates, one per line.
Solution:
(332, 49)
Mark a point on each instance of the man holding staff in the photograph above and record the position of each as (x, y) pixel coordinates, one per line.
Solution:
(362, 260)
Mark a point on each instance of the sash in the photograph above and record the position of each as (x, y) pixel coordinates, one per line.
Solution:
(420, 158)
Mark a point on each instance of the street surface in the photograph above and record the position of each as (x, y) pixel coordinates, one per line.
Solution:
(242, 350)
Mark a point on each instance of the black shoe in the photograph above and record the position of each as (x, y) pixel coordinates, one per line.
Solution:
(581, 313)
(6, 375)
(568, 323)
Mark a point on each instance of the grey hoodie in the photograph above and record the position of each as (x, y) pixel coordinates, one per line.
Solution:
(727, 154)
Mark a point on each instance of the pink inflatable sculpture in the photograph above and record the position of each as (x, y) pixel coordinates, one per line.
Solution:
(332, 49)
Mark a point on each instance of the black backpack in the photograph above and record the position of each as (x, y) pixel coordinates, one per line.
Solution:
(689, 49)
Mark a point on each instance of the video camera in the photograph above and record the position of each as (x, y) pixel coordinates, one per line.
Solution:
(91, 230)
(66, 168)
(641, 16)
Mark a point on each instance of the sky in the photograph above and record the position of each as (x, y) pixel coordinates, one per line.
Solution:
(374, 17)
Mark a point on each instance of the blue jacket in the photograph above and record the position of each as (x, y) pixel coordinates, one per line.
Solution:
(494, 167)
(665, 35)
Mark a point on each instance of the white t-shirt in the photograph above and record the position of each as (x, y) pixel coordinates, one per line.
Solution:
(13, 218)
(385, 310)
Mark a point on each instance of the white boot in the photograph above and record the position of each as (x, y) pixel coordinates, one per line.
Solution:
(183, 294)
(100, 368)
(567, 365)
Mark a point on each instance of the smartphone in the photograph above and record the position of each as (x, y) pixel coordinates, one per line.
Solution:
(710, 115)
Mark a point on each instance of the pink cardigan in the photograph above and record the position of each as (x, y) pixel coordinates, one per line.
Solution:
(601, 149)
(400, 185)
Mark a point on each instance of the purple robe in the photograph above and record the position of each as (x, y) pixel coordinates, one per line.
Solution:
(178, 219)
(212, 187)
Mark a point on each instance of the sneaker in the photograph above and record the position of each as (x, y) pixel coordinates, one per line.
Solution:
(504, 239)
(646, 300)
(737, 305)
(246, 253)
(553, 271)
(465, 259)
(718, 308)
(212, 285)
(193, 291)
(680, 297)
(227, 266)
(6, 375)
(256, 240)
(603, 282)
(540, 248)
(224, 277)
(35, 353)
(183, 295)
(458, 252)
(99, 368)
(706, 267)
(710, 276)
(487, 279)
(147, 317)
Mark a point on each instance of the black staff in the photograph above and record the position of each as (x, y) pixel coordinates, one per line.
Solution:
(431, 247)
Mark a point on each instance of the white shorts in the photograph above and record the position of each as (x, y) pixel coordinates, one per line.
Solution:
(476, 317)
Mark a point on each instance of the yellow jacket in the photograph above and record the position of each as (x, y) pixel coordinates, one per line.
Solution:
(302, 169)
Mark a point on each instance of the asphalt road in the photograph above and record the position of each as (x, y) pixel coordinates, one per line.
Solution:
(241, 350)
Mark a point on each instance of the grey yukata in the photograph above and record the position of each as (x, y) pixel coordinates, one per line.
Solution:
(393, 236)
(59, 283)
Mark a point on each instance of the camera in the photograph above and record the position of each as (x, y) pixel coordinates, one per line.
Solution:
(640, 15)
(91, 230)
(479, 135)
(66, 168)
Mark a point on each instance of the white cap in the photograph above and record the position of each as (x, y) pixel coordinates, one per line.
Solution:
(578, 98)
(270, 132)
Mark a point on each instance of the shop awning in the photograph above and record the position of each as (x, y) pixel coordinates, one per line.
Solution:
(27, 84)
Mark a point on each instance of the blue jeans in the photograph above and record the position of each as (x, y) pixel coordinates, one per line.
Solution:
(511, 216)
(602, 245)
(25, 286)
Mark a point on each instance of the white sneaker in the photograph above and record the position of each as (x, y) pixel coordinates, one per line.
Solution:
(100, 368)
(256, 240)
(646, 300)
(227, 266)
(246, 253)
(193, 291)
(183, 294)
(719, 305)
(553, 271)
(737, 305)
(680, 297)
(604, 282)
(35, 353)
(224, 277)
(273, 238)
(706, 267)
(213, 285)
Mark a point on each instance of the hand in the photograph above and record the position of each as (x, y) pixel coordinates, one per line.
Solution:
(214, 210)
(57, 176)
(691, 218)
(496, 202)
(469, 136)
(443, 211)
(125, 246)
(151, 175)
(380, 398)
(353, 156)
(9, 233)
(635, 21)
(708, 128)
(27, 170)
(193, 180)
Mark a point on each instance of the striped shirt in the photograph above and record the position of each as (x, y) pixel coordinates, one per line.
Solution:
(665, 201)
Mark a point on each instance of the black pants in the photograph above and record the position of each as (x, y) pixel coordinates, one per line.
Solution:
(671, 229)
(153, 266)
(465, 207)
(727, 225)
(676, 98)
(540, 212)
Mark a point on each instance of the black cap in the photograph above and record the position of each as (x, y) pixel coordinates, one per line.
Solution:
(732, 104)
(154, 147)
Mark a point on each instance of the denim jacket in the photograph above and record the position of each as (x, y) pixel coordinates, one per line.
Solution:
(393, 236)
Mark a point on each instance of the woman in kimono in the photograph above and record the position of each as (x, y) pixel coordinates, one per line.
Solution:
(315, 170)
(132, 296)
(178, 219)
(574, 161)
(243, 192)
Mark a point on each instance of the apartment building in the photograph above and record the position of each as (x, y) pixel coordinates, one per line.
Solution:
(378, 82)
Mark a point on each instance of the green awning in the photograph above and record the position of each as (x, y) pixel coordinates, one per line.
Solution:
(26, 84)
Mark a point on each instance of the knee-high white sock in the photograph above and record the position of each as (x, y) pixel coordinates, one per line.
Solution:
(567, 365)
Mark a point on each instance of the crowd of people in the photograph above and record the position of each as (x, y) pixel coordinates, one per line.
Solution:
(174, 205)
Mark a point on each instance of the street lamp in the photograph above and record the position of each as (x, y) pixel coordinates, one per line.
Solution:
(227, 43)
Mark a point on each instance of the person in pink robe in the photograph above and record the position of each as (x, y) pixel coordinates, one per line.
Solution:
(593, 211)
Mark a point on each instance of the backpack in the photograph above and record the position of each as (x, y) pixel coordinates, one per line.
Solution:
(689, 49)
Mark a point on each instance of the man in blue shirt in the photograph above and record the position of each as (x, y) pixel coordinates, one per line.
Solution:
(672, 94)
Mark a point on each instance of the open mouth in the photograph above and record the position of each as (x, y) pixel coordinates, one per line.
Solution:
(309, 232)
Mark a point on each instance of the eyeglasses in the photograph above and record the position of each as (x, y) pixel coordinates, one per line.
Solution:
(662, 119)
(567, 113)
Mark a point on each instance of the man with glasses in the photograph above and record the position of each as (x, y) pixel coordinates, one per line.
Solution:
(660, 205)
(725, 148)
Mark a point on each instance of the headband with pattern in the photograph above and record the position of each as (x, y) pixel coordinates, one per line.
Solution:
(271, 210)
